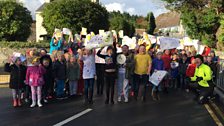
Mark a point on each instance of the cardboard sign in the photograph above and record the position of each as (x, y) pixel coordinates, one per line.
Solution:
(66, 31)
(157, 77)
(131, 42)
(58, 33)
(101, 32)
(121, 34)
(169, 43)
(84, 31)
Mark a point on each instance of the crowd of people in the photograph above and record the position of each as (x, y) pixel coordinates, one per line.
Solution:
(70, 69)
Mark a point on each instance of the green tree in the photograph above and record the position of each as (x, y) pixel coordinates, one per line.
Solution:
(75, 14)
(124, 22)
(201, 18)
(15, 21)
(152, 23)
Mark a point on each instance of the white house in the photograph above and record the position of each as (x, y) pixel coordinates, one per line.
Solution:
(40, 30)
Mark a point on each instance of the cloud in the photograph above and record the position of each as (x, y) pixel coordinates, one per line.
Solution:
(131, 11)
(115, 7)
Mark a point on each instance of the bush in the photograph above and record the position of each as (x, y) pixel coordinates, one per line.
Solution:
(19, 45)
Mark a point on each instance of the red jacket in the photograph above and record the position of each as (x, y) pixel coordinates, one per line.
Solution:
(167, 60)
(190, 70)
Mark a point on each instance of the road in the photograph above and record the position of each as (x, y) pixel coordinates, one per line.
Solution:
(174, 109)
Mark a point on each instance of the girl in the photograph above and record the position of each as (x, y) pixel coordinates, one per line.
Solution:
(174, 71)
(110, 70)
(17, 77)
(35, 79)
(73, 73)
(89, 72)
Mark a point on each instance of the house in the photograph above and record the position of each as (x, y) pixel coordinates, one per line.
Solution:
(170, 23)
(40, 30)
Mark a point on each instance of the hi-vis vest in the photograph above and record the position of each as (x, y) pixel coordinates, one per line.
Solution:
(205, 72)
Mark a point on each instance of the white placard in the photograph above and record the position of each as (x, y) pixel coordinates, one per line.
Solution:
(169, 43)
(157, 77)
(66, 31)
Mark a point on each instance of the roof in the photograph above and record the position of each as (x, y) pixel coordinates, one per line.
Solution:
(169, 19)
(41, 8)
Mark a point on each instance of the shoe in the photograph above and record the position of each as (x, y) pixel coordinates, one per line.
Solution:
(26, 100)
(143, 99)
(154, 96)
(45, 101)
(33, 104)
(19, 103)
(112, 102)
(14, 103)
(39, 103)
(126, 100)
(132, 93)
(107, 101)
(50, 97)
(119, 99)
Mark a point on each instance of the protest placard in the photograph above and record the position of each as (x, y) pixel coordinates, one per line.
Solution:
(169, 43)
(131, 42)
(66, 31)
(157, 77)
(84, 31)
(101, 32)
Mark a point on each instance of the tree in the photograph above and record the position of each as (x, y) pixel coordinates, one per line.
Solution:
(15, 21)
(124, 22)
(201, 18)
(152, 23)
(75, 14)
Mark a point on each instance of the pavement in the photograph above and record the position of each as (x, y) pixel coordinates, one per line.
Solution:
(174, 109)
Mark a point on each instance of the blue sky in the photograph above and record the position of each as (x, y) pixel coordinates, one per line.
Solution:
(139, 7)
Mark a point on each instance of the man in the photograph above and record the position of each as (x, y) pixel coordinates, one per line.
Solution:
(200, 83)
(143, 63)
(125, 73)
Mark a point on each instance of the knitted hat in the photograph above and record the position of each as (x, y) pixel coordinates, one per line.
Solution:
(200, 57)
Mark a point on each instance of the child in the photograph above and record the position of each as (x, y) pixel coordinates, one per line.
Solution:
(110, 71)
(157, 64)
(48, 79)
(190, 73)
(89, 72)
(35, 79)
(174, 71)
(59, 71)
(73, 73)
(183, 64)
(166, 57)
(17, 75)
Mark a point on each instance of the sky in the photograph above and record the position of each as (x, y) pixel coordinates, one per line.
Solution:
(137, 7)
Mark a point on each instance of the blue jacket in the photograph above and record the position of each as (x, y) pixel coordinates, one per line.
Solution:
(54, 47)
(157, 64)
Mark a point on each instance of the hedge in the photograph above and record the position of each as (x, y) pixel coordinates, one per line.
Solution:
(18, 45)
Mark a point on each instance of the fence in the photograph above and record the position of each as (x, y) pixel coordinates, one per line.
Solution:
(4, 79)
(220, 76)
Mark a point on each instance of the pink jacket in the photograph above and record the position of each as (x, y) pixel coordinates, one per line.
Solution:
(34, 75)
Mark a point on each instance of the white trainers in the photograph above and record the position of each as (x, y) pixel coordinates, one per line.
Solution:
(119, 99)
(126, 100)
(33, 104)
(39, 104)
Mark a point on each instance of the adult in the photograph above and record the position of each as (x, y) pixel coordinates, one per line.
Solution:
(125, 73)
(200, 83)
(89, 72)
(143, 63)
(110, 71)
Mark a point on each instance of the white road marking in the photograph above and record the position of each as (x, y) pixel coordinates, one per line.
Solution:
(215, 118)
(73, 117)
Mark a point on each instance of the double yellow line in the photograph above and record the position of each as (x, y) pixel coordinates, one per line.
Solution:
(213, 114)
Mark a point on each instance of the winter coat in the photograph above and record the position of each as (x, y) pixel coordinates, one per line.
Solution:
(157, 64)
(35, 75)
(73, 71)
(17, 75)
(190, 70)
(54, 47)
(59, 70)
(183, 67)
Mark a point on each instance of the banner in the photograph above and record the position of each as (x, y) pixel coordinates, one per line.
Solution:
(99, 41)
(169, 43)
(157, 77)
